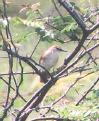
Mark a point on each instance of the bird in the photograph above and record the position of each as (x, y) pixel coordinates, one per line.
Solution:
(49, 59)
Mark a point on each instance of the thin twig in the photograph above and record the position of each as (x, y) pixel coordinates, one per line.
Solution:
(13, 89)
(51, 118)
(58, 10)
(17, 73)
(83, 97)
(35, 47)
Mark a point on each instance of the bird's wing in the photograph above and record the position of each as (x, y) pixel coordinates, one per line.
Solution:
(44, 57)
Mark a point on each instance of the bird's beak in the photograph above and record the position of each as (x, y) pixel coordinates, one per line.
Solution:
(62, 50)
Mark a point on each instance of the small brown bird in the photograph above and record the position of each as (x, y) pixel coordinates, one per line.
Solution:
(49, 59)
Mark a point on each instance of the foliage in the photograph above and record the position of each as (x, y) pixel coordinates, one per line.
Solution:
(66, 25)
(87, 111)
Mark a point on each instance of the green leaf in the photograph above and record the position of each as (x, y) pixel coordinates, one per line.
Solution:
(69, 27)
(16, 21)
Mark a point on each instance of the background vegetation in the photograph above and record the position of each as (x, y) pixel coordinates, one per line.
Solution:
(31, 27)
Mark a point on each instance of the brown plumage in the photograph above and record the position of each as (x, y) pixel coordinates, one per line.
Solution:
(49, 59)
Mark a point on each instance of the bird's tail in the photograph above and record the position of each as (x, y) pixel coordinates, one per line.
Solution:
(44, 76)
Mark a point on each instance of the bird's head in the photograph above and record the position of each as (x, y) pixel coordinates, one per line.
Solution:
(57, 48)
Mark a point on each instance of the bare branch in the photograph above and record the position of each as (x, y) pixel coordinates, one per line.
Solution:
(14, 89)
(17, 73)
(83, 97)
(71, 86)
(35, 47)
(79, 57)
(51, 118)
(73, 13)
(94, 27)
(57, 10)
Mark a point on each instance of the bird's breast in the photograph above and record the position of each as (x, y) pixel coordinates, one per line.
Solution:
(50, 60)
